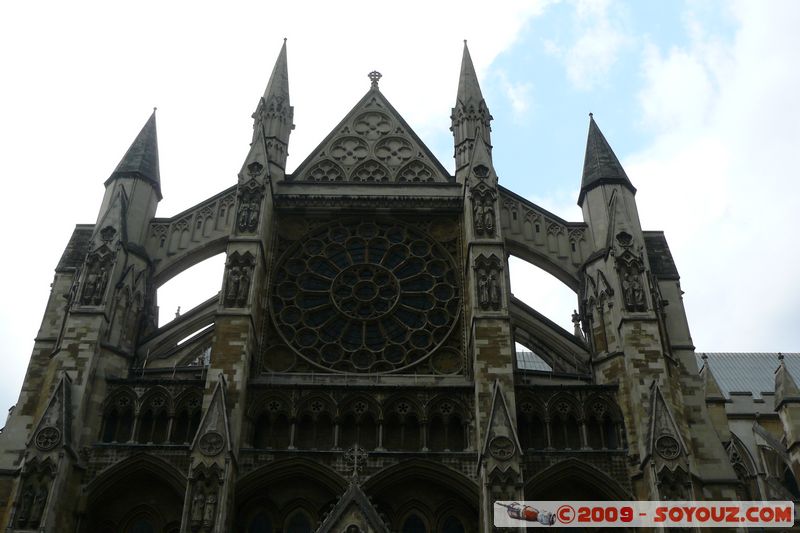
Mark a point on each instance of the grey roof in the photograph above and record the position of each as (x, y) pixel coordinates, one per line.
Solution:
(661, 263)
(531, 361)
(141, 159)
(600, 166)
(77, 248)
(748, 372)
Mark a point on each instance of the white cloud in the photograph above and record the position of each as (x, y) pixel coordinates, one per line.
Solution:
(517, 93)
(721, 176)
(601, 38)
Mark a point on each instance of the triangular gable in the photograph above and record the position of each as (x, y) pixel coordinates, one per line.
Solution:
(373, 144)
(213, 434)
(501, 441)
(664, 439)
(353, 509)
(54, 429)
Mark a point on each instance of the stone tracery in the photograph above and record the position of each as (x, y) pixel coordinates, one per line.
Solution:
(365, 297)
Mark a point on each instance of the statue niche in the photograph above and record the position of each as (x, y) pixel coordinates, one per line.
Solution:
(250, 196)
(630, 269)
(483, 212)
(487, 275)
(32, 500)
(205, 491)
(237, 279)
(95, 281)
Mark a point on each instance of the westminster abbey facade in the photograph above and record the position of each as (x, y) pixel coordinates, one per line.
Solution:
(357, 370)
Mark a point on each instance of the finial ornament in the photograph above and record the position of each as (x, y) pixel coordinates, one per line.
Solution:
(374, 77)
(591, 115)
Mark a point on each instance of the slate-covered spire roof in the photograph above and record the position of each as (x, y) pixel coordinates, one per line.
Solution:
(468, 87)
(600, 165)
(141, 159)
(278, 84)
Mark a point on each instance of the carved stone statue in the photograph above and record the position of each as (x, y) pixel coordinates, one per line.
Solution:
(38, 506)
(232, 289)
(198, 504)
(483, 213)
(244, 287)
(237, 285)
(25, 505)
(494, 291)
(483, 292)
(209, 512)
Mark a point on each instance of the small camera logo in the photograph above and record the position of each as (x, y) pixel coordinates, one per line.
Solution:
(529, 514)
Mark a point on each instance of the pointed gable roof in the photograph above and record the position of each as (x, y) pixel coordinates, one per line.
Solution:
(353, 509)
(141, 159)
(600, 166)
(372, 144)
(54, 429)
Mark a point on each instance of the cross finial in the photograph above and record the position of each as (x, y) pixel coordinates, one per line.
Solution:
(374, 77)
(355, 456)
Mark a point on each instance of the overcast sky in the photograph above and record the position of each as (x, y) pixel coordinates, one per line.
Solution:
(698, 99)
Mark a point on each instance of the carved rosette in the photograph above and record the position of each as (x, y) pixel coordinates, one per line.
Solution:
(211, 444)
(502, 448)
(47, 438)
(668, 447)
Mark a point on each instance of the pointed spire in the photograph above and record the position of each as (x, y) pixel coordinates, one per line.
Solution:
(600, 165)
(786, 390)
(274, 114)
(278, 85)
(470, 115)
(141, 159)
(468, 87)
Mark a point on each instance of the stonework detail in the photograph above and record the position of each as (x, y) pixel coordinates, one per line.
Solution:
(249, 197)
(365, 297)
(238, 276)
(95, 281)
(357, 362)
(488, 275)
(372, 145)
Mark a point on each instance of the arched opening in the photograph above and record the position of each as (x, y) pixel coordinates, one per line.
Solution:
(190, 288)
(573, 480)
(118, 419)
(140, 495)
(419, 495)
(414, 523)
(272, 431)
(187, 419)
(298, 522)
(286, 495)
(542, 291)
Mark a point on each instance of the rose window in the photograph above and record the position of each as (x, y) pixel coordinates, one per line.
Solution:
(365, 297)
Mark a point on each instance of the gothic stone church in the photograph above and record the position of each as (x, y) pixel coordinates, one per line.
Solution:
(357, 370)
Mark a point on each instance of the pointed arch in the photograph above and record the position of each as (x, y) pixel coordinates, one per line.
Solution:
(423, 471)
(573, 479)
(251, 485)
(140, 463)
